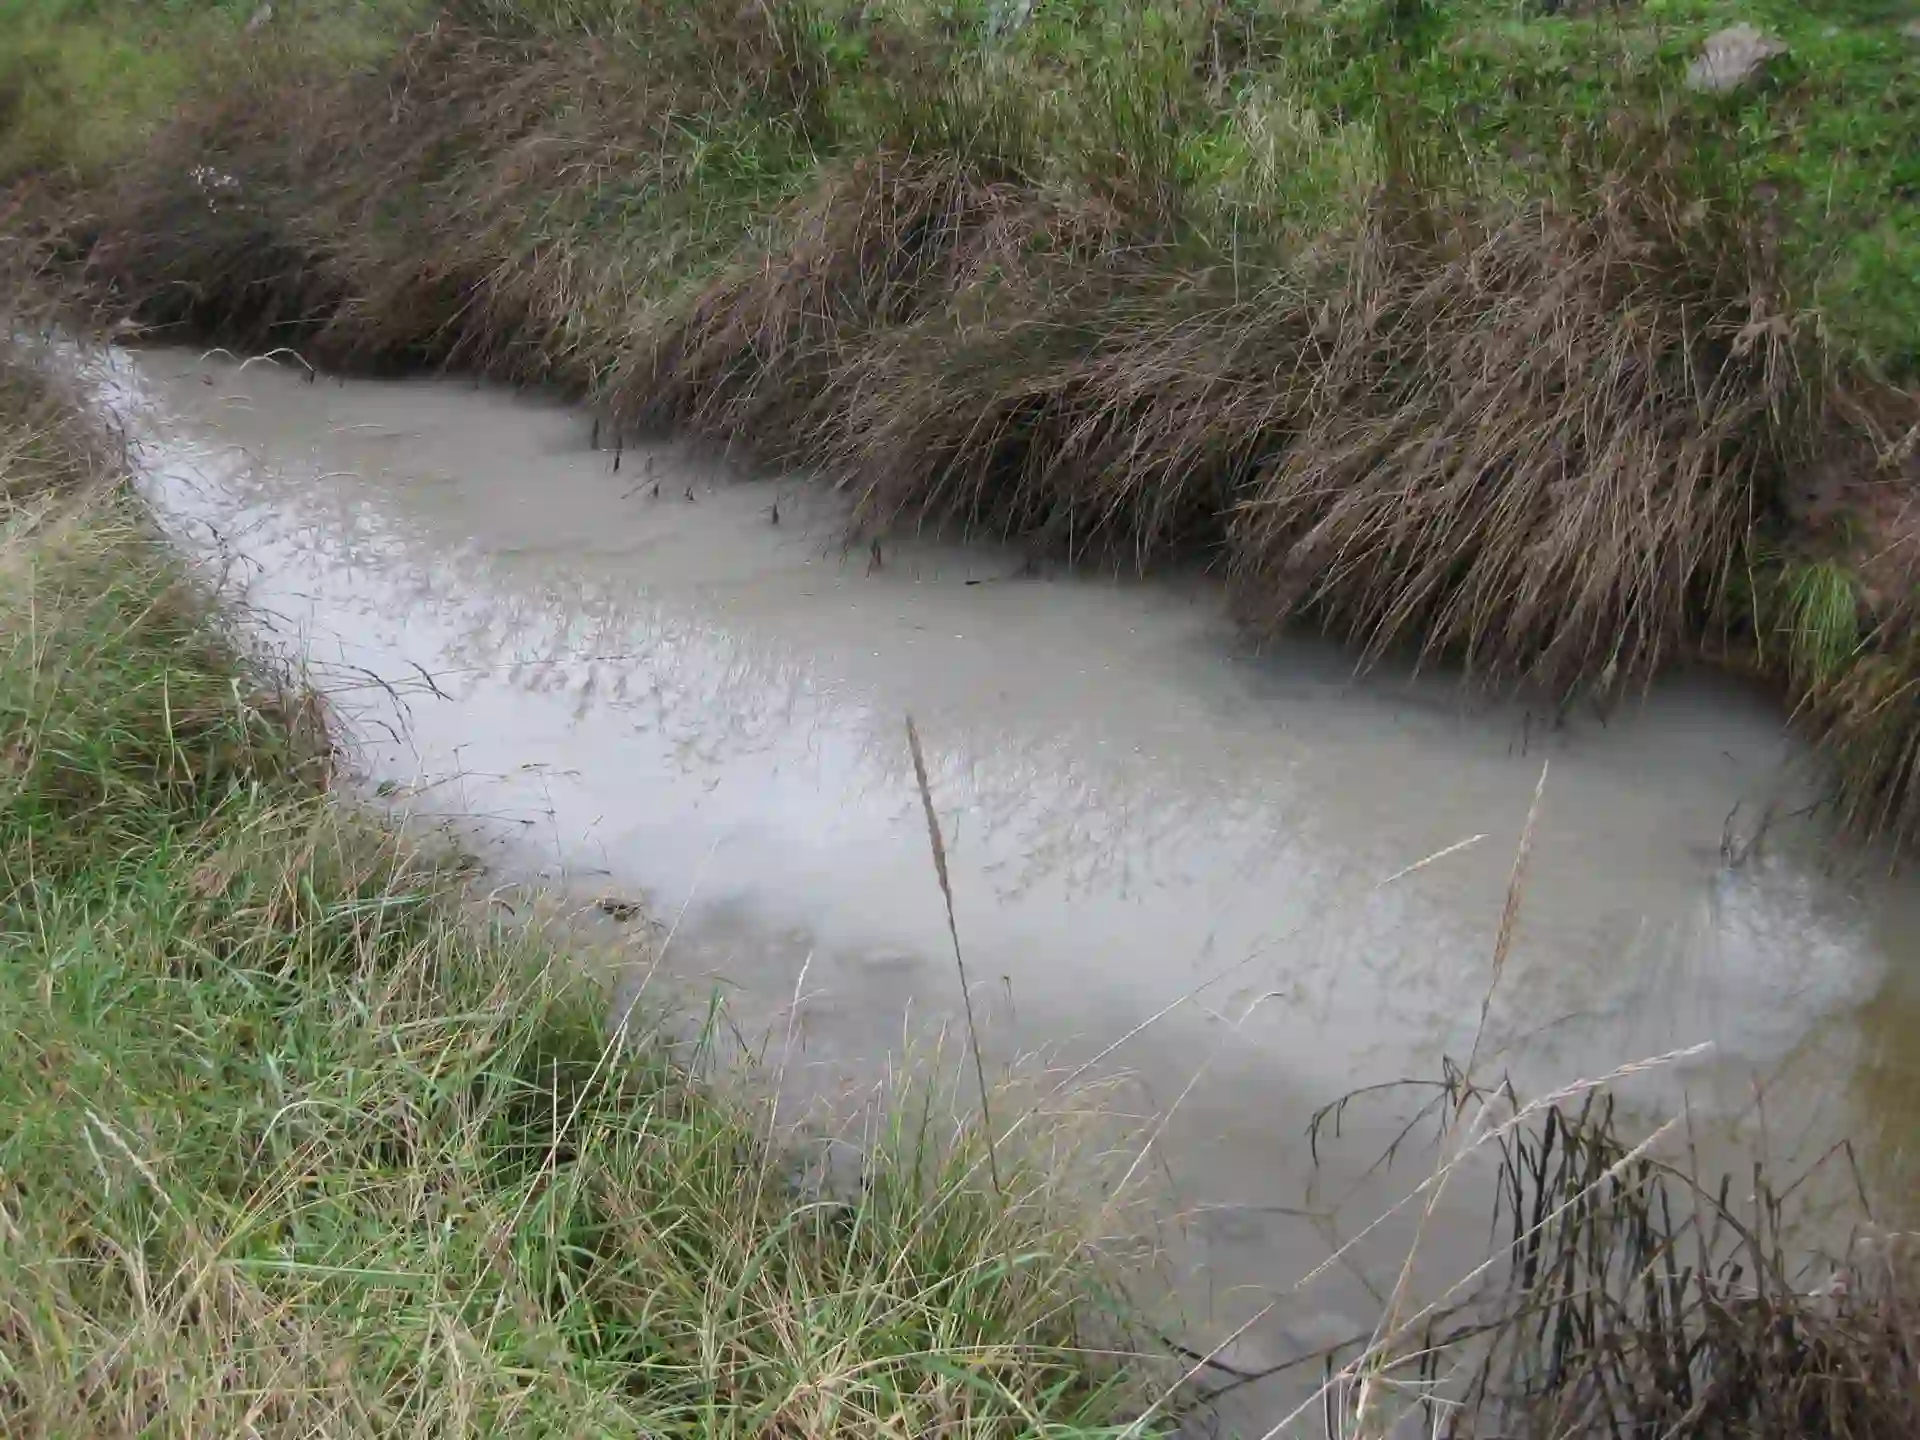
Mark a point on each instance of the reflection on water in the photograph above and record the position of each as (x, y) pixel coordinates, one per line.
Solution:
(672, 696)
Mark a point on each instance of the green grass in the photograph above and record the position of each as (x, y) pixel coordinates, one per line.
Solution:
(1818, 608)
(1258, 119)
(1239, 127)
(291, 1143)
(85, 84)
(1825, 147)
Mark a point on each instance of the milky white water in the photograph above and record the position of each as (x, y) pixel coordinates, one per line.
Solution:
(677, 698)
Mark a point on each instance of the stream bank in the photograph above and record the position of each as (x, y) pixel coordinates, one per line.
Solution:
(1560, 380)
(655, 683)
(290, 1144)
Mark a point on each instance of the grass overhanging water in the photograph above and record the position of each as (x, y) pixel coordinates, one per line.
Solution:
(1454, 326)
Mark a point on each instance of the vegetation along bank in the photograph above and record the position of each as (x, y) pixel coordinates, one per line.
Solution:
(1559, 340)
(1463, 328)
(291, 1143)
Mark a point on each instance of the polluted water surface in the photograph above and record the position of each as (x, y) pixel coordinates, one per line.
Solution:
(1244, 882)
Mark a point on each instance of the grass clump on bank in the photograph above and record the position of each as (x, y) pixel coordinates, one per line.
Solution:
(1454, 327)
(1632, 1296)
(289, 1144)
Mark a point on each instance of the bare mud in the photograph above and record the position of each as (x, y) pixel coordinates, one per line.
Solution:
(663, 682)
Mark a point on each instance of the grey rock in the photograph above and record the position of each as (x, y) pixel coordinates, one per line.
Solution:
(1731, 57)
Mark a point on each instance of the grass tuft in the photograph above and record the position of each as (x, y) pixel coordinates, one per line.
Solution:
(1819, 610)
(1642, 1300)
(1626, 1294)
(1866, 718)
(1536, 443)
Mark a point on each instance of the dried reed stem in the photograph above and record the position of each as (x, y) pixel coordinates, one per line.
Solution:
(953, 931)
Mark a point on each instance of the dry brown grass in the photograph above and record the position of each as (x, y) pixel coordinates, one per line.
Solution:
(46, 437)
(460, 208)
(778, 342)
(1116, 416)
(1645, 1301)
(1540, 446)
(1864, 503)
(266, 229)
(1630, 1294)
(1537, 442)
(1870, 720)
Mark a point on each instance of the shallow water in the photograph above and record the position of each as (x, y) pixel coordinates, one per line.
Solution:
(660, 681)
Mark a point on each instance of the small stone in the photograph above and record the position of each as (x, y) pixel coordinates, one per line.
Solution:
(1912, 31)
(1731, 57)
(259, 18)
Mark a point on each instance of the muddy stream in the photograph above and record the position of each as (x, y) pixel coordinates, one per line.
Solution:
(665, 681)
